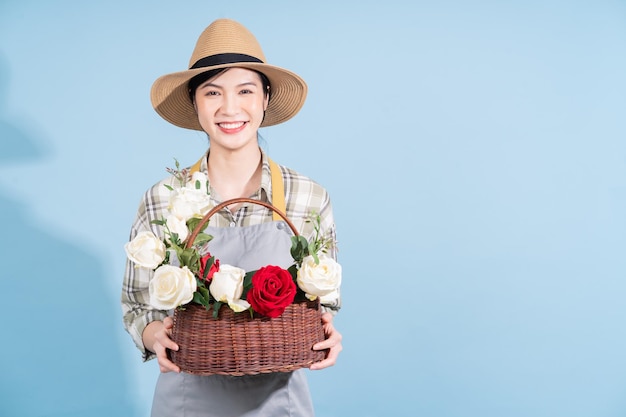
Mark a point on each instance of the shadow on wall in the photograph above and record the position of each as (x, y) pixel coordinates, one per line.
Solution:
(59, 352)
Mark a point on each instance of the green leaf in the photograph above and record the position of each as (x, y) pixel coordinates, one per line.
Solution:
(202, 295)
(247, 284)
(202, 238)
(198, 184)
(205, 296)
(299, 248)
(207, 266)
(199, 299)
(247, 279)
(193, 223)
(158, 222)
(190, 258)
(174, 239)
(168, 187)
(293, 270)
(315, 258)
(176, 247)
(216, 308)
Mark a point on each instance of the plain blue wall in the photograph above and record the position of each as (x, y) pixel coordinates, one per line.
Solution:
(474, 151)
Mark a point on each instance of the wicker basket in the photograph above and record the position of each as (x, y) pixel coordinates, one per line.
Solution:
(237, 344)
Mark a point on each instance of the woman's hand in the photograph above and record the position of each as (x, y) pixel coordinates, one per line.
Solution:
(332, 343)
(157, 339)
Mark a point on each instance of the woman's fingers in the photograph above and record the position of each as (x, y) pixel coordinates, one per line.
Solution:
(162, 344)
(332, 343)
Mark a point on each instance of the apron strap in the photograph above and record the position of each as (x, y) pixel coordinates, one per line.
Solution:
(278, 190)
(196, 167)
(278, 187)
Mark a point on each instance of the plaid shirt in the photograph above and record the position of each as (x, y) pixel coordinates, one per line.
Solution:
(302, 196)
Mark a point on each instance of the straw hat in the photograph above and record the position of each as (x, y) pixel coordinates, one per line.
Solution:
(226, 43)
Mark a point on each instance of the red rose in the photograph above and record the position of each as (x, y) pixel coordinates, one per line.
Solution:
(272, 291)
(213, 265)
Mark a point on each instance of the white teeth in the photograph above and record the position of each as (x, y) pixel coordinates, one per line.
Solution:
(231, 125)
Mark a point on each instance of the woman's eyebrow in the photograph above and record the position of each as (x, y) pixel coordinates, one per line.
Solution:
(210, 84)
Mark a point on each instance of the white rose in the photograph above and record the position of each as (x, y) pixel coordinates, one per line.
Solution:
(330, 298)
(145, 250)
(227, 287)
(200, 178)
(186, 203)
(319, 280)
(178, 226)
(171, 287)
(239, 305)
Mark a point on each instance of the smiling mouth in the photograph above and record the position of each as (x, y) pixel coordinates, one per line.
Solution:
(234, 125)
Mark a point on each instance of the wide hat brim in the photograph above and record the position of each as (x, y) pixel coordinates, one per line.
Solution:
(226, 44)
(170, 94)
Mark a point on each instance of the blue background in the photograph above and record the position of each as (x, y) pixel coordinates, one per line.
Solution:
(474, 151)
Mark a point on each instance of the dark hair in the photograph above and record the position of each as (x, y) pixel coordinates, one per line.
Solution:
(196, 81)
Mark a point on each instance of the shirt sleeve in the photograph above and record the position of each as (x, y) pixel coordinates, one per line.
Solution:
(305, 197)
(136, 310)
(332, 302)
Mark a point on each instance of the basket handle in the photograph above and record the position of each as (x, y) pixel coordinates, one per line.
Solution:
(223, 204)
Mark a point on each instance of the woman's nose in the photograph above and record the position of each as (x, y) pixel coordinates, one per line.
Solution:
(230, 104)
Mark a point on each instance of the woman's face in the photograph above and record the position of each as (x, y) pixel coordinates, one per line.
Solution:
(230, 108)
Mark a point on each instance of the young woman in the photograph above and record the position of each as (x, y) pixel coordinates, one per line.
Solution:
(229, 92)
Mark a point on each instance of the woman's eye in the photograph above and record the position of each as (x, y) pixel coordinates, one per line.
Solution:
(245, 91)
